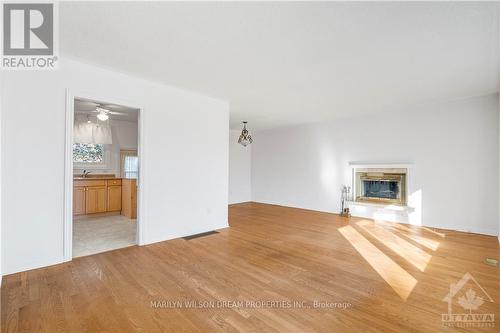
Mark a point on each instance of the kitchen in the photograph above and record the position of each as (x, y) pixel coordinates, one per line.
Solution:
(105, 177)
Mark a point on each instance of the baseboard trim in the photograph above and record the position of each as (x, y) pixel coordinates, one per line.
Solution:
(285, 206)
(239, 203)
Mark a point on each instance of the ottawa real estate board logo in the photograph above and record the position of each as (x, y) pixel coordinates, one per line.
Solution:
(29, 36)
(469, 295)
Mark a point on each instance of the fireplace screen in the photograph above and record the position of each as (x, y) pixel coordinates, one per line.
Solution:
(384, 189)
(381, 187)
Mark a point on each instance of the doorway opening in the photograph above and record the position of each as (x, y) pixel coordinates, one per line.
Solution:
(104, 163)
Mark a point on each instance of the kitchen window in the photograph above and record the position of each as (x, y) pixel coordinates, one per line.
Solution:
(130, 164)
(88, 154)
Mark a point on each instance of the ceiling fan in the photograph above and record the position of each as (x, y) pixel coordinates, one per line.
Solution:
(103, 112)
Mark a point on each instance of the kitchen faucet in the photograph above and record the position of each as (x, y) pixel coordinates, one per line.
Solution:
(86, 173)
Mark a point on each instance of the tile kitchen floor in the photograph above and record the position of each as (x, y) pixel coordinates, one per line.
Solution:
(104, 233)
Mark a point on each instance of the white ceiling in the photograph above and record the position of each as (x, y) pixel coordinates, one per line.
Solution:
(287, 63)
(117, 112)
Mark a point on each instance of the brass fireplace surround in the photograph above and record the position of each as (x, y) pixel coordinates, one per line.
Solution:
(392, 175)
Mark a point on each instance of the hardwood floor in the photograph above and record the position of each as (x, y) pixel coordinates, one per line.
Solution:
(379, 276)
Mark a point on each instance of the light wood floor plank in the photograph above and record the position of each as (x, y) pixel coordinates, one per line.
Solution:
(393, 276)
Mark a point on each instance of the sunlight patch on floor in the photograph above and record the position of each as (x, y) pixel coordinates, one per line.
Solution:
(411, 253)
(440, 234)
(399, 279)
(427, 242)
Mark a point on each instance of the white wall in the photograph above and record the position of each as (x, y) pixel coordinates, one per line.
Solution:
(124, 135)
(453, 149)
(240, 160)
(185, 158)
(1, 252)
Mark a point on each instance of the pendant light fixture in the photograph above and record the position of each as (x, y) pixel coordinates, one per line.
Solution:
(245, 138)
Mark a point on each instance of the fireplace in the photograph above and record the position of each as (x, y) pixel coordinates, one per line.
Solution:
(381, 185)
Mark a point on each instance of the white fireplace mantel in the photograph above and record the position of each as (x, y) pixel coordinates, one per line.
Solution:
(363, 165)
(384, 211)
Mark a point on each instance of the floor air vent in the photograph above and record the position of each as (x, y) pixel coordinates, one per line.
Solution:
(203, 234)
(491, 262)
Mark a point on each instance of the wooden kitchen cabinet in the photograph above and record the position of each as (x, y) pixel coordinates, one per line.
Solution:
(129, 198)
(78, 200)
(95, 199)
(91, 196)
(114, 198)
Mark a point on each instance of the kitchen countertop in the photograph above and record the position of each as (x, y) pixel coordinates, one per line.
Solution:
(97, 178)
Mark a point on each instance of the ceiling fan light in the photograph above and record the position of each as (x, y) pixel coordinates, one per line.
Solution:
(102, 116)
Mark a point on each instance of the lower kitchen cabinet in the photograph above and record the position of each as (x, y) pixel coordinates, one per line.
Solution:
(95, 199)
(91, 196)
(114, 198)
(78, 200)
